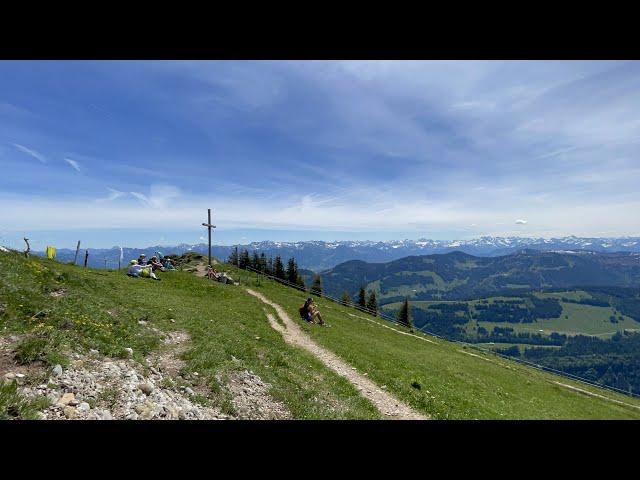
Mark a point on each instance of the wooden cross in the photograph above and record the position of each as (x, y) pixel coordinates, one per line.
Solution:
(209, 227)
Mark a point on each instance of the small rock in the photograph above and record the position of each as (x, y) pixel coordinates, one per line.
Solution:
(9, 376)
(93, 351)
(189, 391)
(257, 338)
(147, 413)
(141, 322)
(57, 370)
(106, 415)
(195, 374)
(70, 412)
(129, 351)
(146, 388)
(173, 414)
(66, 399)
(84, 407)
(172, 320)
(19, 375)
(74, 402)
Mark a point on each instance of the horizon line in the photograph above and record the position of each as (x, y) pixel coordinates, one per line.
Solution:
(621, 237)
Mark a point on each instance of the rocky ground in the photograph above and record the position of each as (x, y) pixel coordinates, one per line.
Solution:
(94, 387)
(252, 400)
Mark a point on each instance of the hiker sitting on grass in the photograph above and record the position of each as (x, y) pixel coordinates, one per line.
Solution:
(212, 273)
(309, 312)
(155, 264)
(144, 271)
(142, 259)
(167, 264)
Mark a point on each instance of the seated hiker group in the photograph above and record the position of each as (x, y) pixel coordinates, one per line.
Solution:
(310, 313)
(213, 274)
(146, 268)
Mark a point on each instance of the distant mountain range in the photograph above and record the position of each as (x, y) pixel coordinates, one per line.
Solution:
(319, 255)
(458, 275)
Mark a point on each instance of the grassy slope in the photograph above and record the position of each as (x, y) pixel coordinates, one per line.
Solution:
(453, 384)
(224, 321)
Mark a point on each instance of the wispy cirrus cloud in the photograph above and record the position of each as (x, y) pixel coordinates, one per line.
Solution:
(113, 195)
(74, 164)
(31, 152)
(159, 197)
(142, 197)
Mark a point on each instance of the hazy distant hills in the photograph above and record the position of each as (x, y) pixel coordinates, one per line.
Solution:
(458, 275)
(319, 255)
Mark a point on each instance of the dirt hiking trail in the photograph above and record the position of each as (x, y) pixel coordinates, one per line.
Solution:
(293, 334)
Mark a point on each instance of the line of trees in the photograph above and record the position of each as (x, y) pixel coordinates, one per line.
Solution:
(275, 267)
(269, 266)
(369, 303)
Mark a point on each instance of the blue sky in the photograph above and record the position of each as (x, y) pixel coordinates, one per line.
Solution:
(135, 152)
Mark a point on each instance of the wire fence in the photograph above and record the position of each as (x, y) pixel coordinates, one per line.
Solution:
(488, 351)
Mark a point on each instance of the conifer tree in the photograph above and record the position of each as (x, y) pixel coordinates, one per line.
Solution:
(245, 261)
(255, 261)
(316, 287)
(292, 270)
(278, 268)
(362, 299)
(269, 270)
(346, 298)
(233, 256)
(404, 316)
(300, 282)
(263, 262)
(372, 303)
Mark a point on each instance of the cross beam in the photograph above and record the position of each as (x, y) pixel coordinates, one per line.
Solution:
(209, 227)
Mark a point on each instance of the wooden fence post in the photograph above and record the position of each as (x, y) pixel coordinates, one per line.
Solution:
(86, 257)
(75, 259)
